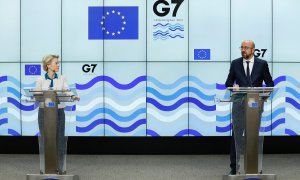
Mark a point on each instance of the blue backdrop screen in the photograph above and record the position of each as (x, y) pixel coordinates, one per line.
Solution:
(147, 68)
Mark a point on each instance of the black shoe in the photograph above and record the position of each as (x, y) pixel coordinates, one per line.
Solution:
(59, 172)
(232, 172)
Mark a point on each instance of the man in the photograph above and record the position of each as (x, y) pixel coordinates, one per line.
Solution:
(246, 71)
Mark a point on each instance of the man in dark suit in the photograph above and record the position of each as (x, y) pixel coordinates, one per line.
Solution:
(246, 71)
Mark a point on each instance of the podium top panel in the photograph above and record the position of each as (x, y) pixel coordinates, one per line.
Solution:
(49, 90)
(251, 89)
(34, 91)
(37, 95)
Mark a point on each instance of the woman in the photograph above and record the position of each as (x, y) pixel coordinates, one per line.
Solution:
(53, 81)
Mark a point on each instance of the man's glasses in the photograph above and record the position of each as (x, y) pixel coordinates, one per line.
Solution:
(245, 47)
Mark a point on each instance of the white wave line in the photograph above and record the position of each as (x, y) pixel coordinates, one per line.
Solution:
(112, 103)
(178, 114)
(293, 113)
(129, 107)
(13, 112)
(223, 108)
(202, 116)
(30, 118)
(70, 119)
(275, 103)
(3, 100)
(166, 118)
(90, 105)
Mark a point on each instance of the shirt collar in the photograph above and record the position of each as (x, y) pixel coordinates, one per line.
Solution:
(251, 60)
(47, 77)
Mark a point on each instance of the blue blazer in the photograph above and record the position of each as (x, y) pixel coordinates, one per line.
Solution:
(260, 73)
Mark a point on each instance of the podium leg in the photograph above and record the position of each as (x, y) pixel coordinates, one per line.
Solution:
(253, 115)
(50, 127)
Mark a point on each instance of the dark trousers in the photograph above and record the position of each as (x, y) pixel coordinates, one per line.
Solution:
(61, 139)
(232, 153)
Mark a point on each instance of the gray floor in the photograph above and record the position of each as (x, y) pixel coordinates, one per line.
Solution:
(146, 167)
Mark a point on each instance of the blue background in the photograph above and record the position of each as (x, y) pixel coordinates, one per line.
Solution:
(149, 85)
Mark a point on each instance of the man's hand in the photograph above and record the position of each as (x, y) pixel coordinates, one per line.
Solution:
(236, 87)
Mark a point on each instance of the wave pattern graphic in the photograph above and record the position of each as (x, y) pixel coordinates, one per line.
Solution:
(179, 103)
(169, 26)
(123, 108)
(111, 113)
(112, 124)
(10, 106)
(167, 31)
(286, 106)
(111, 81)
(129, 116)
(118, 113)
(167, 112)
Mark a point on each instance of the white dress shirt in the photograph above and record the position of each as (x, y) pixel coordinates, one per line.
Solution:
(251, 63)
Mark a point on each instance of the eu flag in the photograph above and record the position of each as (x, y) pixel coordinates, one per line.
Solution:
(201, 54)
(32, 69)
(113, 22)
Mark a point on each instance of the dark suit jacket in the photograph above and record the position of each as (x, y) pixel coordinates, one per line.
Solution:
(260, 73)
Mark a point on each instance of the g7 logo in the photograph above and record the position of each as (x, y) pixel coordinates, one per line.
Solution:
(87, 68)
(166, 9)
(261, 52)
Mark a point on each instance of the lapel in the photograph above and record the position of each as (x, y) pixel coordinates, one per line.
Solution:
(254, 68)
(241, 68)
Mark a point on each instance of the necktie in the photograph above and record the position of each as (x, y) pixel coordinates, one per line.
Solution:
(248, 73)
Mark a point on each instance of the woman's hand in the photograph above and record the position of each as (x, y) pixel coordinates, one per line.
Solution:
(76, 98)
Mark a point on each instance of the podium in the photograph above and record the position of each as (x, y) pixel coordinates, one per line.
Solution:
(52, 140)
(248, 104)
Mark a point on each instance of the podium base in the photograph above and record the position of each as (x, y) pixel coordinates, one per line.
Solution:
(51, 176)
(250, 176)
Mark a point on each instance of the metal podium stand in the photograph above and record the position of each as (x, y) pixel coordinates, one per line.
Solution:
(247, 108)
(50, 157)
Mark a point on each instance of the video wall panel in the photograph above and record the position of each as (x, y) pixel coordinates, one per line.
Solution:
(40, 29)
(10, 31)
(10, 120)
(125, 98)
(286, 27)
(86, 117)
(208, 117)
(124, 33)
(285, 100)
(209, 30)
(76, 46)
(167, 30)
(251, 19)
(167, 99)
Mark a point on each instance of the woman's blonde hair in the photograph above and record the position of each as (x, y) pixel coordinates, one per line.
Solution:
(48, 59)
